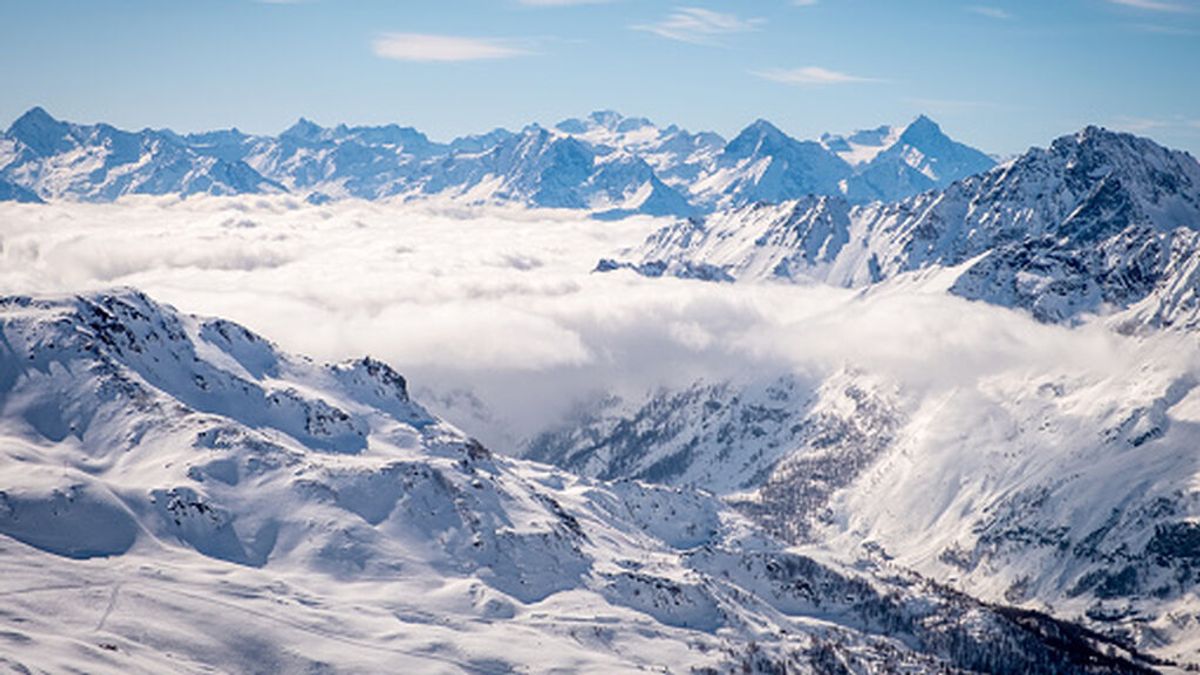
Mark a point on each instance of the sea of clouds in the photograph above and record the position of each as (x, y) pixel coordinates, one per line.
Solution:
(496, 317)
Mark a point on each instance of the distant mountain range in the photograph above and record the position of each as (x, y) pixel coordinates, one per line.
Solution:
(1099, 222)
(605, 163)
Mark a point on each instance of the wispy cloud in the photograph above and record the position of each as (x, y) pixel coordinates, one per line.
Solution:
(809, 75)
(990, 12)
(699, 26)
(804, 3)
(555, 332)
(1153, 5)
(425, 47)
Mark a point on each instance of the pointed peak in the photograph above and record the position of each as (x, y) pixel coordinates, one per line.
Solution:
(923, 124)
(41, 132)
(35, 120)
(303, 128)
(761, 128)
(761, 124)
(923, 131)
(36, 114)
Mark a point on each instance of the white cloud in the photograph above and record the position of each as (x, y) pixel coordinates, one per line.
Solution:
(990, 12)
(699, 26)
(809, 75)
(517, 318)
(1152, 5)
(426, 47)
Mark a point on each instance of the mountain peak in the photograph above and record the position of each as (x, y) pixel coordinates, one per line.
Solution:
(304, 129)
(759, 137)
(921, 130)
(41, 132)
(35, 115)
(762, 127)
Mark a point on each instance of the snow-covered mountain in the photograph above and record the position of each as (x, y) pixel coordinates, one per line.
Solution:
(763, 164)
(1098, 222)
(1060, 490)
(57, 159)
(605, 162)
(166, 477)
(893, 163)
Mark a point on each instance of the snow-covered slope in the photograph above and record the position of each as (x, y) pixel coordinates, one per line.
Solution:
(57, 159)
(1070, 489)
(1099, 221)
(175, 493)
(763, 164)
(604, 162)
(918, 158)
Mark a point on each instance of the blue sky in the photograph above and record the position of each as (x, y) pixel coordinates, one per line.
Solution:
(1000, 75)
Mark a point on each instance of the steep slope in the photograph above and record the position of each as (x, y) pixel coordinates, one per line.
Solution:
(166, 477)
(59, 160)
(1066, 489)
(1097, 222)
(11, 192)
(763, 164)
(921, 158)
(779, 448)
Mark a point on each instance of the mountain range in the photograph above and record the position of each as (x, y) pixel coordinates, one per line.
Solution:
(606, 163)
(1100, 222)
(165, 475)
(163, 470)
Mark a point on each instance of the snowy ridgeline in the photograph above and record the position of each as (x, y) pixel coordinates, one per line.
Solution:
(605, 163)
(1098, 223)
(1068, 491)
(176, 493)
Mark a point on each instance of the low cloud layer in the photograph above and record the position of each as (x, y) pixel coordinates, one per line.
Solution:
(499, 307)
